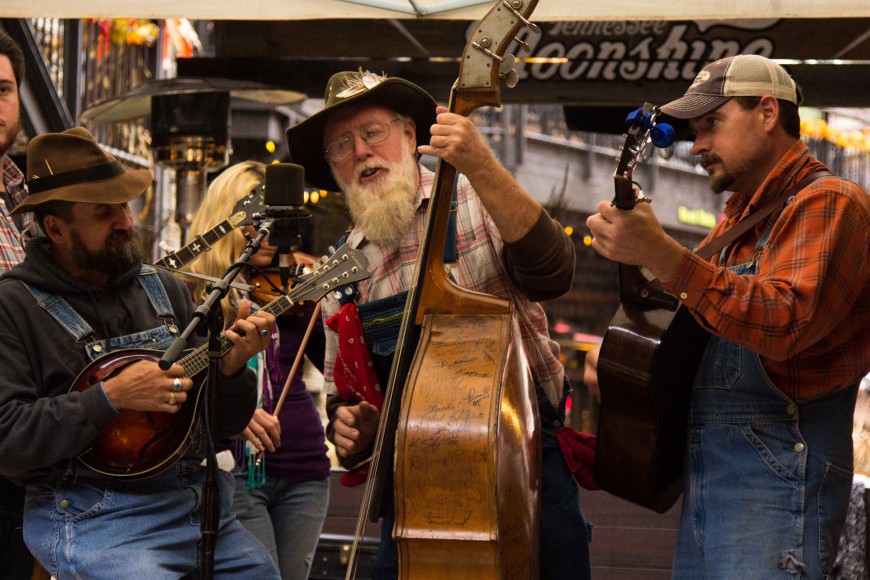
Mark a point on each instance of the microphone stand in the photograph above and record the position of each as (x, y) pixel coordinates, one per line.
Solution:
(210, 311)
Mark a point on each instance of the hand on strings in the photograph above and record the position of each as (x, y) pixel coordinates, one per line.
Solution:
(354, 428)
(456, 140)
(634, 237)
(250, 333)
(142, 386)
(264, 431)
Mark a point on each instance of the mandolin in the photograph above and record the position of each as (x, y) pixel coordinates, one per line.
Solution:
(248, 210)
(139, 444)
(647, 364)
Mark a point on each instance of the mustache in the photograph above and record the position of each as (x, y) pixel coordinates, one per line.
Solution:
(708, 159)
(368, 163)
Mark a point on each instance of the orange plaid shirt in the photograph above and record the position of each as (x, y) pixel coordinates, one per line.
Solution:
(807, 310)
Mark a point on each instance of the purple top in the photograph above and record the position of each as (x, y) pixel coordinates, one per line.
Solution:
(302, 454)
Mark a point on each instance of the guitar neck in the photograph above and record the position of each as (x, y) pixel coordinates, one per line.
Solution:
(202, 243)
(197, 360)
(636, 289)
(344, 267)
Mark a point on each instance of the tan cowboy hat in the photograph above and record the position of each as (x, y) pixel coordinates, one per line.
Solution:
(305, 139)
(71, 166)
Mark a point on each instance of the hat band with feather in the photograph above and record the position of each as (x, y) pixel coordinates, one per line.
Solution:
(40, 184)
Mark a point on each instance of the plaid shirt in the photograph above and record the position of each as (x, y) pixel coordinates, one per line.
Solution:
(807, 310)
(12, 237)
(479, 268)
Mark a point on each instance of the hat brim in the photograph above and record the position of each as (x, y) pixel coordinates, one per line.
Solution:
(305, 139)
(692, 105)
(119, 189)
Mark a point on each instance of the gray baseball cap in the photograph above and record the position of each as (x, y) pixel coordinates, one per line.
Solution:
(744, 75)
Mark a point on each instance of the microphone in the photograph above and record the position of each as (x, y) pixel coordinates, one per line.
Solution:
(284, 198)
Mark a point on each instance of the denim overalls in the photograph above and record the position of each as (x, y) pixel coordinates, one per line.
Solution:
(767, 478)
(157, 338)
(86, 524)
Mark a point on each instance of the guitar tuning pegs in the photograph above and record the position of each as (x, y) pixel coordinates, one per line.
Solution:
(634, 118)
(662, 135)
(511, 78)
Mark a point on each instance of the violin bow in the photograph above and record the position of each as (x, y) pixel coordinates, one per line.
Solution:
(299, 355)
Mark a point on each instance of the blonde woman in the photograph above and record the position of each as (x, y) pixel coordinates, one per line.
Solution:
(283, 500)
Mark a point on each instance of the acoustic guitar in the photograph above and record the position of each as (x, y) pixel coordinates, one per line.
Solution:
(646, 367)
(140, 444)
(248, 210)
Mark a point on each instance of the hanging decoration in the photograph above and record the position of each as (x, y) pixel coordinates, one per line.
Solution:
(124, 31)
(854, 141)
(184, 39)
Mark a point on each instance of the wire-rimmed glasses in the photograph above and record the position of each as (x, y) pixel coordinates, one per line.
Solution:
(372, 133)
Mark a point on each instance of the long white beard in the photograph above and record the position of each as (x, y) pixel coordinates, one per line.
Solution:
(384, 208)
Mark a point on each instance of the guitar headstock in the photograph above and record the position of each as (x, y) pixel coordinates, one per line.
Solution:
(484, 62)
(250, 208)
(345, 266)
(642, 127)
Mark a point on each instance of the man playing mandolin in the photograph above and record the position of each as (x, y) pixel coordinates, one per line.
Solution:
(366, 143)
(83, 293)
(787, 304)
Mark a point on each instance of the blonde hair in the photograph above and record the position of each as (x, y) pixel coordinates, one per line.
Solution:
(222, 196)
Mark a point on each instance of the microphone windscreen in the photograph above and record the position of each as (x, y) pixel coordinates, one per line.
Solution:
(285, 185)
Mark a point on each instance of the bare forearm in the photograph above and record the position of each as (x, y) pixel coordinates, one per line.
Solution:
(514, 211)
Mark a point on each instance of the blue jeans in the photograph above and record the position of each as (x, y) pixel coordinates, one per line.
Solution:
(91, 527)
(286, 517)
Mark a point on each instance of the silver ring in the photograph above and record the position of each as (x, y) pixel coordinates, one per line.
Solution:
(171, 398)
(176, 384)
(264, 333)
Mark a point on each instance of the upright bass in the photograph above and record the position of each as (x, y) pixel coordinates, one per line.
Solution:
(459, 432)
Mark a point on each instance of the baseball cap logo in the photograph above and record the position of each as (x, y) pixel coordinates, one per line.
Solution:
(703, 76)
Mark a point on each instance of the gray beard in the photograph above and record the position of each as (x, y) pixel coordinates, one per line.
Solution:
(385, 209)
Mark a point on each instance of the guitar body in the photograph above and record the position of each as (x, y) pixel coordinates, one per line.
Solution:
(137, 444)
(646, 369)
(647, 363)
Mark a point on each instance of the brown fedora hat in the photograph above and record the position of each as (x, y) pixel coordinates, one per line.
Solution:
(305, 139)
(71, 166)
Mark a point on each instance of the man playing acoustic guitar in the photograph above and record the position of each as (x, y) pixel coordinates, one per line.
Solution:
(768, 468)
(83, 293)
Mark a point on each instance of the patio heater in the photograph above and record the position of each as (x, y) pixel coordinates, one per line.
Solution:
(189, 122)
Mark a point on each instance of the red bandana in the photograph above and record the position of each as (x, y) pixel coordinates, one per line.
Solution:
(579, 451)
(354, 373)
